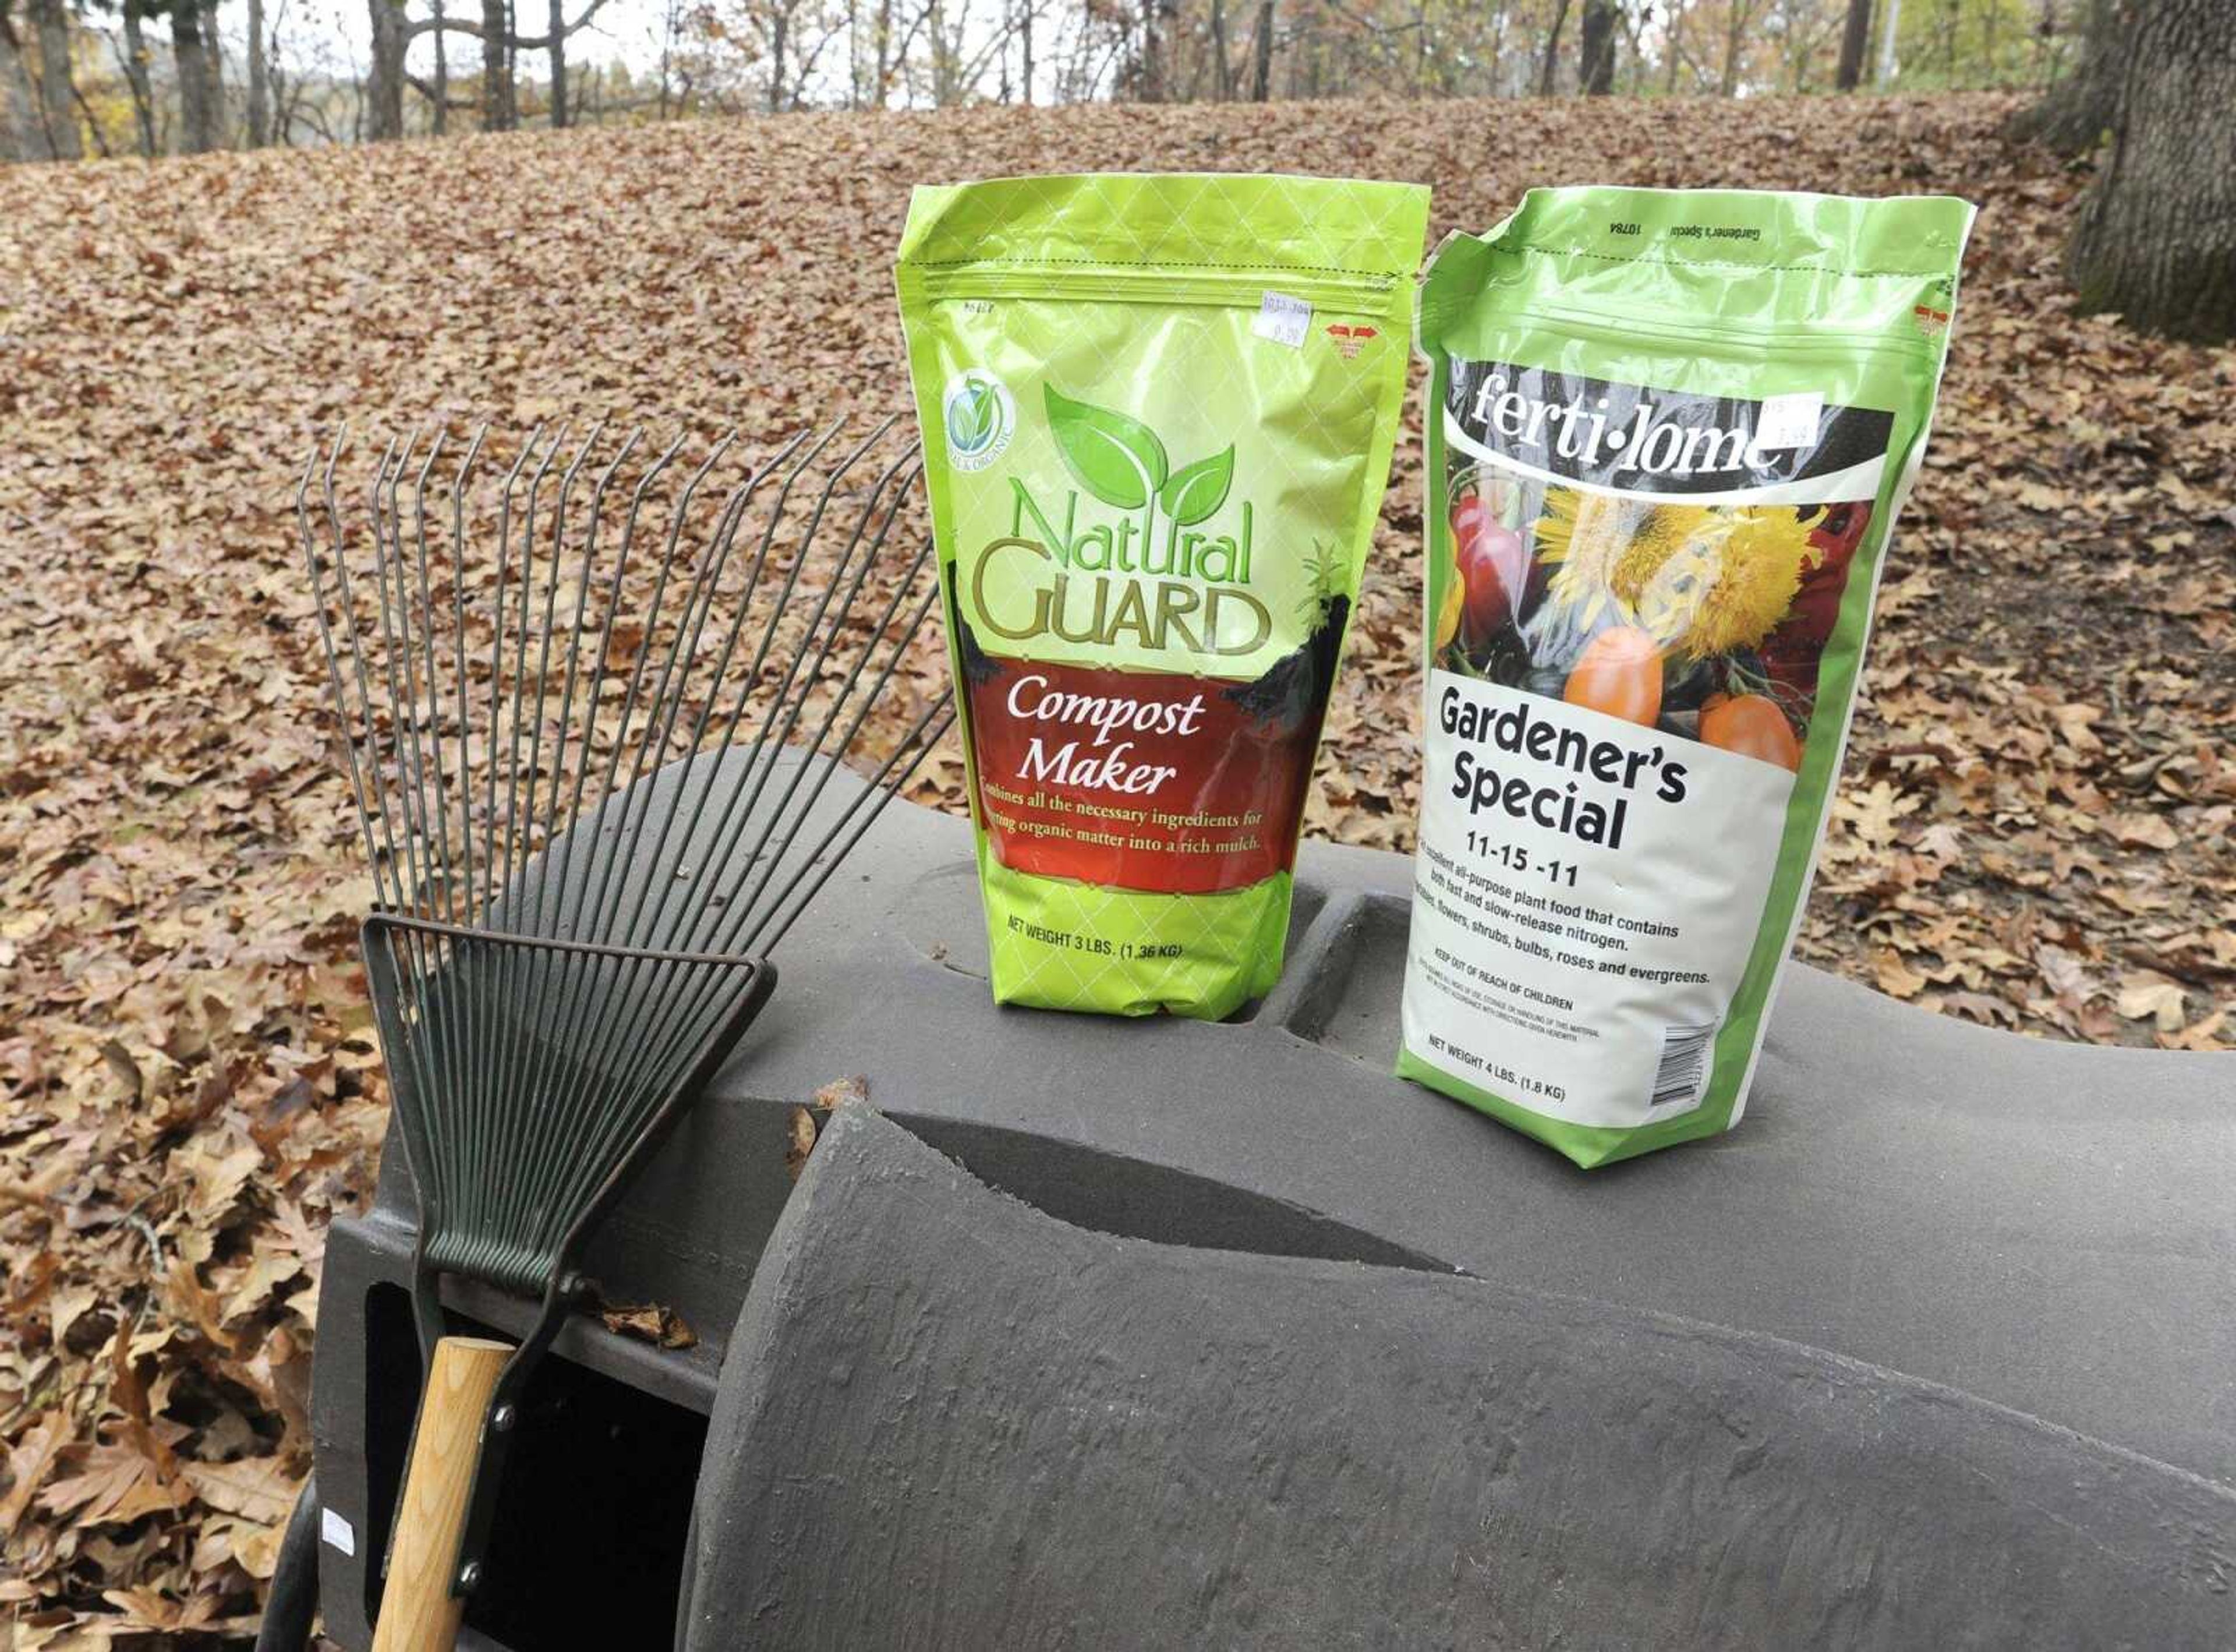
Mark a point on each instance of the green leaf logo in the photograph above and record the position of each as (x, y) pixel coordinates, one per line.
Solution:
(1117, 459)
(1196, 490)
(980, 415)
(970, 415)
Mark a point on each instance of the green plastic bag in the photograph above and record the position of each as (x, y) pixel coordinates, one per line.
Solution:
(1668, 434)
(1158, 414)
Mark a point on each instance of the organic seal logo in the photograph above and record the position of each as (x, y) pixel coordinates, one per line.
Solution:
(981, 417)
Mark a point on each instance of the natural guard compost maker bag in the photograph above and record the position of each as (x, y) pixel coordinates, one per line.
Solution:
(1158, 414)
(1668, 434)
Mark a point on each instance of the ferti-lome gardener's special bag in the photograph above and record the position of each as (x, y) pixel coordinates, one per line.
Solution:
(1158, 414)
(1668, 432)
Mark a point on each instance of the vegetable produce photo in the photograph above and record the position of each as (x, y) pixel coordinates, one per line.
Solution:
(1645, 606)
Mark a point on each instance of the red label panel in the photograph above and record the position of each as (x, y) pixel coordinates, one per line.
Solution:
(1139, 781)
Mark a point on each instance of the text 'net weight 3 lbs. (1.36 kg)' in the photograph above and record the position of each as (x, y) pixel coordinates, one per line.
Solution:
(1158, 416)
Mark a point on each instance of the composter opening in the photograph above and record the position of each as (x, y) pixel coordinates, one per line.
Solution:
(600, 1486)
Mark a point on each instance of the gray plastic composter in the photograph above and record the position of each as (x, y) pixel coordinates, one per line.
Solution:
(1936, 1350)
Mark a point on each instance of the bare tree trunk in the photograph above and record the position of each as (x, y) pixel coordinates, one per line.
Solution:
(197, 121)
(2075, 114)
(1889, 27)
(1676, 47)
(137, 77)
(1552, 51)
(1151, 87)
(1025, 39)
(1261, 72)
(213, 65)
(1219, 86)
(1734, 35)
(500, 113)
(885, 53)
(442, 116)
(1855, 46)
(2156, 239)
(259, 78)
(668, 50)
(57, 91)
(778, 31)
(384, 90)
(558, 65)
(1595, 48)
(19, 104)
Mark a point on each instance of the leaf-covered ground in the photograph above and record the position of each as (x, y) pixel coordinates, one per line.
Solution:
(2034, 832)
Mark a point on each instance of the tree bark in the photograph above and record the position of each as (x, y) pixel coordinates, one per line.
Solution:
(1219, 87)
(383, 91)
(137, 77)
(1855, 46)
(19, 104)
(559, 65)
(2075, 114)
(2156, 239)
(441, 118)
(189, 66)
(1552, 51)
(260, 79)
(57, 92)
(1261, 69)
(213, 66)
(1595, 48)
(1735, 38)
(499, 111)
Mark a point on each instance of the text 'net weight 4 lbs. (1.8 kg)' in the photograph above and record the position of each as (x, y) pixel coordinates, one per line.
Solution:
(596, 704)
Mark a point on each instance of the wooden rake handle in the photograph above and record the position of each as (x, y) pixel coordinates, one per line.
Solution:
(419, 1610)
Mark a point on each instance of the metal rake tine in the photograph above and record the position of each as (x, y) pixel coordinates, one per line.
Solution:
(829, 635)
(459, 488)
(561, 827)
(655, 607)
(403, 735)
(567, 964)
(386, 806)
(357, 781)
(741, 905)
(699, 603)
(944, 710)
(614, 597)
(496, 659)
(837, 706)
(570, 964)
(445, 1033)
(862, 811)
(514, 833)
(388, 556)
(508, 1061)
(672, 934)
(462, 1024)
(722, 663)
(442, 802)
(543, 654)
(726, 833)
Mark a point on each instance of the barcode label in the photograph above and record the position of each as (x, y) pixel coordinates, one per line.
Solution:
(1686, 1052)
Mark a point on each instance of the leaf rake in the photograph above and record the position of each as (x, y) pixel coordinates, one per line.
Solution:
(598, 710)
